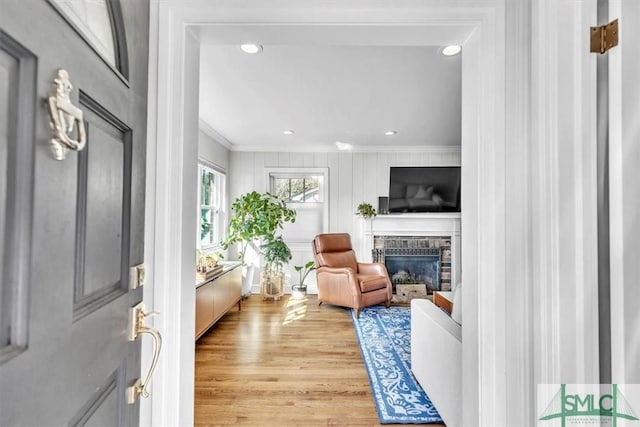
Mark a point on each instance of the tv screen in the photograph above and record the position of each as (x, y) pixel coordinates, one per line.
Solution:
(424, 189)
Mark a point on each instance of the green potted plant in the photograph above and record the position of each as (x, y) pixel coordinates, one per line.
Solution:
(299, 290)
(255, 216)
(366, 210)
(276, 253)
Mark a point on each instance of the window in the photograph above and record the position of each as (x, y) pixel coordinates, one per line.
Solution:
(305, 189)
(100, 24)
(211, 190)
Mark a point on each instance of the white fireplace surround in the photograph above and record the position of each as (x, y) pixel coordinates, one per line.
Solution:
(414, 224)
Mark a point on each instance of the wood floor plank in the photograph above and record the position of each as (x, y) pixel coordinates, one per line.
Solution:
(282, 363)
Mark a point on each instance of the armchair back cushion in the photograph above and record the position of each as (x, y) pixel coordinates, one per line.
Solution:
(334, 250)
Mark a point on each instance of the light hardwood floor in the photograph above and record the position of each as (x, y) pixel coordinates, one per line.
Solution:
(282, 363)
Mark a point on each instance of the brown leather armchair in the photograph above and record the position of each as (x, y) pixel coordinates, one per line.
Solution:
(344, 281)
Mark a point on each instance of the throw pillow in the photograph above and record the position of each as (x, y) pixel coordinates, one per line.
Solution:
(456, 310)
(412, 190)
(424, 193)
(437, 199)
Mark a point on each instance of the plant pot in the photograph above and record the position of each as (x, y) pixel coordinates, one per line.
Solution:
(272, 284)
(247, 279)
(299, 291)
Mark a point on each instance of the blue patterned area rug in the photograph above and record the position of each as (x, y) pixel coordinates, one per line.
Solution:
(385, 341)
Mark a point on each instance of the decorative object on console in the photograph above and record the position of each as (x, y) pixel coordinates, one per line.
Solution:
(366, 210)
(384, 338)
(207, 265)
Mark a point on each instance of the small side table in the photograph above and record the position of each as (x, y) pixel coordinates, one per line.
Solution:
(444, 300)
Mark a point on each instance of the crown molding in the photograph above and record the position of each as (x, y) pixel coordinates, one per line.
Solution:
(319, 148)
(211, 132)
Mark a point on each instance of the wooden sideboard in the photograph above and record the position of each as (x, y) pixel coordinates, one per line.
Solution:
(216, 296)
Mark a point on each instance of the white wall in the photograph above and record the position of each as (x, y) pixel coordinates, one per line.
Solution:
(212, 151)
(625, 194)
(354, 177)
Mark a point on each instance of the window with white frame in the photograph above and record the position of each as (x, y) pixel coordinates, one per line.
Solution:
(303, 189)
(297, 189)
(211, 212)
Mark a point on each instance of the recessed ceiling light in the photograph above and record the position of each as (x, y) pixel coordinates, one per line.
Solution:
(451, 50)
(288, 132)
(391, 132)
(343, 146)
(251, 48)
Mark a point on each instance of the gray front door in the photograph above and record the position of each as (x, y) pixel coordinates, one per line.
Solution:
(70, 230)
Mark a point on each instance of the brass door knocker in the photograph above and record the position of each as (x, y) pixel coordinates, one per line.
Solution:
(63, 117)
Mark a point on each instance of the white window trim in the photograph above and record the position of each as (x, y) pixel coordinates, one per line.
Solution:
(222, 210)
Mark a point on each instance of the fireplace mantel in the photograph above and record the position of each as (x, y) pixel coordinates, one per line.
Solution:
(415, 224)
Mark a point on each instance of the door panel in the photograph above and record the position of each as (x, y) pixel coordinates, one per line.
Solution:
(102, 407)
(104, 182)
(8, 84)
(18, 100)
(76, 361)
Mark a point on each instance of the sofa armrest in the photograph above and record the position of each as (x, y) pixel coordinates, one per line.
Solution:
(436, 358)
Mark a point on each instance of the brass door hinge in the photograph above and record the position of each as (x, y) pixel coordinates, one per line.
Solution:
(604, 37)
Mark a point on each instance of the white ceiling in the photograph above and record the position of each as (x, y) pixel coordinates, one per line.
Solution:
(347, 84)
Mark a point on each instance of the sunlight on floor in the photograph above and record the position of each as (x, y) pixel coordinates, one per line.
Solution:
(295, 309)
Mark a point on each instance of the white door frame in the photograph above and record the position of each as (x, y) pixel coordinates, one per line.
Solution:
(492, 368)
(174, 155)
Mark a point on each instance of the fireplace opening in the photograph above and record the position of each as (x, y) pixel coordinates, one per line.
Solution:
(414, 267)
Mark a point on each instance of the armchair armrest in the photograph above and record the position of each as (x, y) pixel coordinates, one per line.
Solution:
(338, 279)
(376, 268)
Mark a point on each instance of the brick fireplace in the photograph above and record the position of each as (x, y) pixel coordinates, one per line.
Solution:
(415, 260)
(418, 247)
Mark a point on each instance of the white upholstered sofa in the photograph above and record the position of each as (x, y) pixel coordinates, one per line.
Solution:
(436, 357)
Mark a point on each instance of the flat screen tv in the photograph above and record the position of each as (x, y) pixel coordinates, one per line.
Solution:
(424, 189)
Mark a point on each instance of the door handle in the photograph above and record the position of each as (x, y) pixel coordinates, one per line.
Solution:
(137, 328)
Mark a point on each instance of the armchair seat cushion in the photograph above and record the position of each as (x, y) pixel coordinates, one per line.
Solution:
(370, 283)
